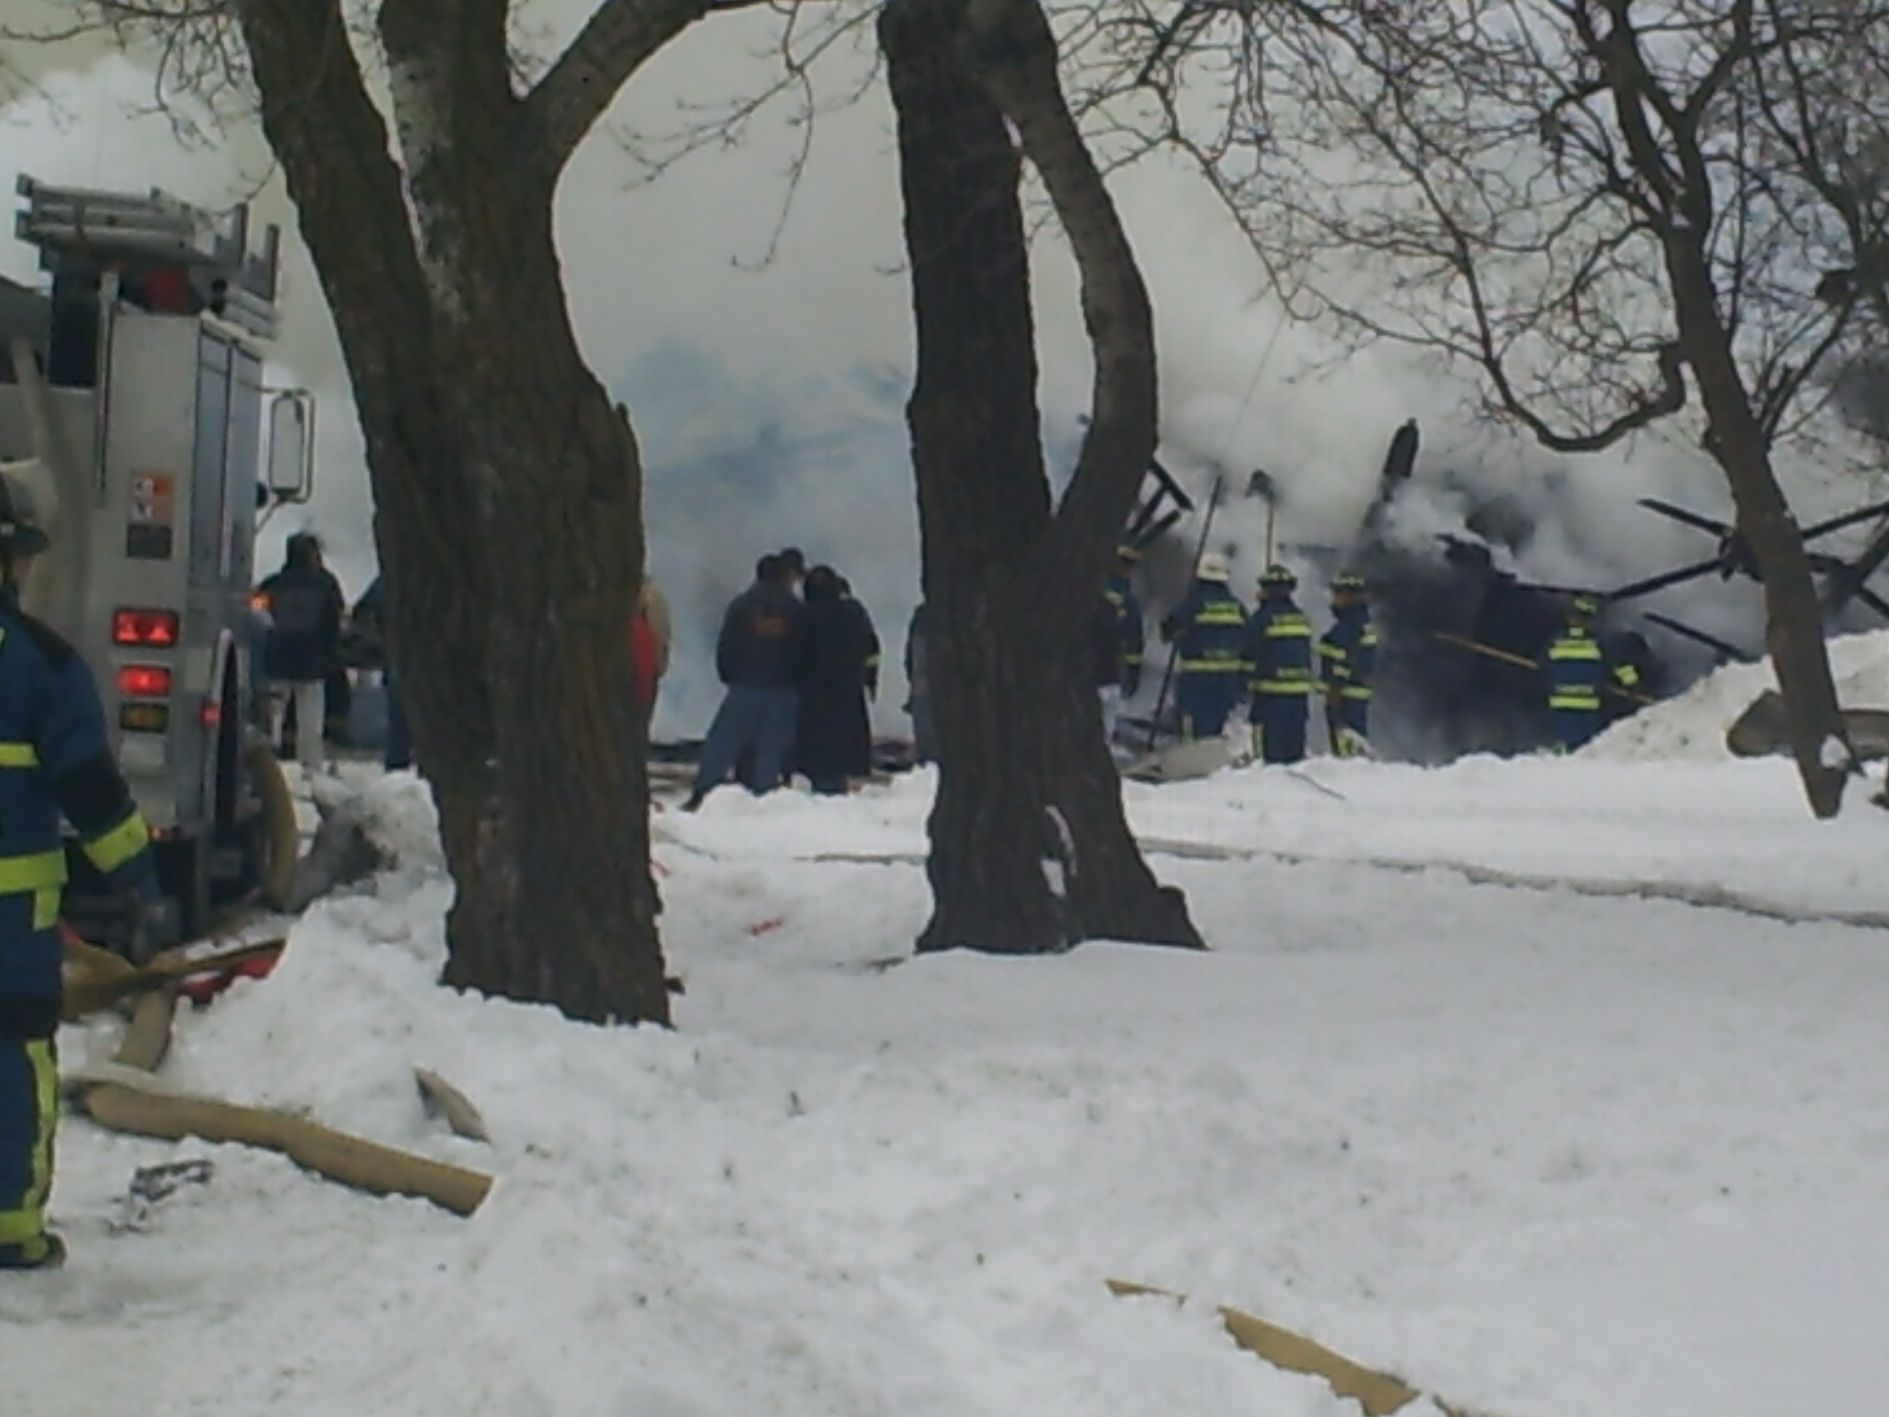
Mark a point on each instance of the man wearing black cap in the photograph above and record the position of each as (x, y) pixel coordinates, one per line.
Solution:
(758, 656)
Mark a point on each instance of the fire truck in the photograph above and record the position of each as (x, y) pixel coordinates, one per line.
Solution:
(136, 417)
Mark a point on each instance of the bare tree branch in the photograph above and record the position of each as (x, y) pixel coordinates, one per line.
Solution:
(617, 40)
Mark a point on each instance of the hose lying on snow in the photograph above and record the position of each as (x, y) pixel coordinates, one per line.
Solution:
(128, 1097)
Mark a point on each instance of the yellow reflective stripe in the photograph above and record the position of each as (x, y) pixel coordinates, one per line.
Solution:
(111, 849)
(1214, 666)
(1627, 675)
(1574, 701)
(1288, 630)
(1360, 692)
(27, 1223)
(1334, 652)
(1370, 639)
(1295, 687)
(37, 870)
(39, 1057)
(1574, 649)
(18, 755)
(46, 907)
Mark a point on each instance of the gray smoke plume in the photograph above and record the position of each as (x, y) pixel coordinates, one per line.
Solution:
(767, 388)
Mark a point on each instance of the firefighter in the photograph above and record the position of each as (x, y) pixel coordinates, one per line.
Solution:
(1347, 657)
(1633, 676)
(54, 759)
(1209, 630)
(1577, 673)
(1117, 642)
(1279, 647)
(1120, 591)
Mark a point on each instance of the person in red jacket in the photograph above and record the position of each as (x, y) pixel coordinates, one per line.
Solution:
(649, 646)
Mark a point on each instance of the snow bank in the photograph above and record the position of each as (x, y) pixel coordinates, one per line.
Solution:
(1545, 1154)
(1691, 727)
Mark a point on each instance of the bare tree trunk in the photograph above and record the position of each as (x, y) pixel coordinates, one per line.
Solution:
(1030, 849)
(1735, 434)
(1813, 719)
(507, 496)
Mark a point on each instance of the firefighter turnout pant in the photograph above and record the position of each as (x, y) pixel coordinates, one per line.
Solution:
(1208, 693)
(29, 1081)
(1348, 719)
(1278, 723)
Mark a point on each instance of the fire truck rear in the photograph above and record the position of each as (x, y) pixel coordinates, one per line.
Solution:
(134, 412)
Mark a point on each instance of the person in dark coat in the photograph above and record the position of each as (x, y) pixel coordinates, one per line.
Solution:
(918, 691)
(833, 739)
(872, 634)
(370, 622)
(758, 656)
(304, 604)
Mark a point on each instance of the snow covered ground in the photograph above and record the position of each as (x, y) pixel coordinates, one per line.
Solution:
(1549, 1151)
(1692, 725)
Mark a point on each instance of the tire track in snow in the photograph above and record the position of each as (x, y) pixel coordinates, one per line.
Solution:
(1699, 895)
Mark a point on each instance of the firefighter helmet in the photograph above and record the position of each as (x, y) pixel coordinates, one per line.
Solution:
(19, 536)
(1214, 567)
(1278, 578)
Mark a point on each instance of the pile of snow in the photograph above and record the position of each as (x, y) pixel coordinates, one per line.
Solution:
(1692, 725)
(1546, 1154)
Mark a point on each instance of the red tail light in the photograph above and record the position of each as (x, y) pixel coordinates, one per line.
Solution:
(211, 714)
(147, 629)
(144, 681)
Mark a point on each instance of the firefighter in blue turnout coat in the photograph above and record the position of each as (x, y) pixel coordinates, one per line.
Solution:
(1578, 673)
(1209, 631)
(1347, 658)
(1122, 641)
(54, 760)
(1279, 641)
(1120, 592)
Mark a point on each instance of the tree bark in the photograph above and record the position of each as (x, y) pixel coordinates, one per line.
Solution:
(1813, 719)
(1030, 851)
(507, 492)
(1683, 208)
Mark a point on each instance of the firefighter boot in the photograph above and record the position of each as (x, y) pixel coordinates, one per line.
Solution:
(43, 1251)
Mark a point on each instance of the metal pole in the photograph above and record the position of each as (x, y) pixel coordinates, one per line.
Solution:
(1200, 549)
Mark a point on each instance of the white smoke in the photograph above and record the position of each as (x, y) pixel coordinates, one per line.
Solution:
(768, 394)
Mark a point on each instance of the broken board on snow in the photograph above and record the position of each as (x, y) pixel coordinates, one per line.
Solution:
(1379, 1394)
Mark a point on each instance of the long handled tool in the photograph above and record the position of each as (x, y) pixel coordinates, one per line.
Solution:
(1174, 652)
(1521, 661)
